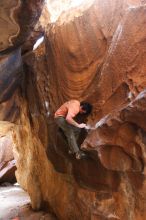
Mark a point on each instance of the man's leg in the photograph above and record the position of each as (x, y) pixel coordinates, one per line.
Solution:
(69, 133)
(76, 131)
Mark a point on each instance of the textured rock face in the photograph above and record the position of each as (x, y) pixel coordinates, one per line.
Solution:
(10, 79)
(95, 52)
(17, 21)
(7, 162)
(95, 62)
(79, 67)
(14, 30)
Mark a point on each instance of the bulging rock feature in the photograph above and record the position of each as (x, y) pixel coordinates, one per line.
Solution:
(116, 138)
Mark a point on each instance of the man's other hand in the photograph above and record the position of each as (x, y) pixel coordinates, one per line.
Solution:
(82, 125)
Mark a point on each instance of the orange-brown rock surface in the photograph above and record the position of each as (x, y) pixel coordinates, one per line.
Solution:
(95, 52)
(7, 162)
(17, 21)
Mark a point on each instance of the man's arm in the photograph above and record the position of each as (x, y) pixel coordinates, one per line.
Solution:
(71, 121)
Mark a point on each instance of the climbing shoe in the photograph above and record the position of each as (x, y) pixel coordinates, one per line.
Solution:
(80, 155)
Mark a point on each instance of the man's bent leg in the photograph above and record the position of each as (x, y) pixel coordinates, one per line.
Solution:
(69, 133)
(72, 140)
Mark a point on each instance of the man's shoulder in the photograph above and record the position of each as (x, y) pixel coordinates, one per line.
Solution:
(73, 108)
(75, 101)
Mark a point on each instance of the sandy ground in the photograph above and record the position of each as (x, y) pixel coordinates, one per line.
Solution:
(15, 205)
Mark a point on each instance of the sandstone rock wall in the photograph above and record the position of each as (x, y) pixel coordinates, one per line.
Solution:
(17, 19)
(95, 52)
(10, 78)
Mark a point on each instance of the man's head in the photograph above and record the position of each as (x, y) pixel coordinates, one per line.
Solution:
(85, 108)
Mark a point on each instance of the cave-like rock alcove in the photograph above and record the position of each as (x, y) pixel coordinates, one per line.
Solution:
(55, 51)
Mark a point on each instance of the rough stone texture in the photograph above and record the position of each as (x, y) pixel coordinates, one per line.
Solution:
(77, 67)
(38, 31)
(17, 20)
(94, 52)
(118, 137)
(85, 64)
(124, 62)
(10, 80)
(7, 162)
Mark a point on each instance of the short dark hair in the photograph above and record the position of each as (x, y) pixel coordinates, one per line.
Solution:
(86, 107)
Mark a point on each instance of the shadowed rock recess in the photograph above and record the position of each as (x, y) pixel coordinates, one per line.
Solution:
(93, 51)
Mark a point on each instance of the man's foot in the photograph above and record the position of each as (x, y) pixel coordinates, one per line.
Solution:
(80, 155)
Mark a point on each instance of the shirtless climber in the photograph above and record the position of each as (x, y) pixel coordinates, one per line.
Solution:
(64, 118)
